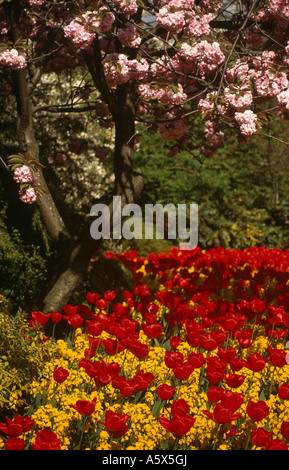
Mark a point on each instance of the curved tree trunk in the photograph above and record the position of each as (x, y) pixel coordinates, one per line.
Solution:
(26, 136)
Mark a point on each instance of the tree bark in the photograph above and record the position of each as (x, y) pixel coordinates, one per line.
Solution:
(26, 136)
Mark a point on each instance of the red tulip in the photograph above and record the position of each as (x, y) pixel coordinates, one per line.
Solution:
(283, 391)
(46, 440)
(120, 309)
(256, 362)
(84, 407)
(139, 349)
(234, 380)
(94, 328)
(70, 309)
(75, 321)
(14, 443)
(112, 346)
(179, 407)
(115, 423)
(208, 342)
(237, 364)
(226, 354)
(215, 393)
(41, 318)
(196, 360)
(221, 414)
(173, 359)
(165, 392)
(257, 411)
(60, 374)
(276, 444)
(232, 400)
(277, 357)
(17, 426)
(101, 372)
(152, 331)
(178, 426)
(109, 295)
(183, 371)
(101, 304)
(260, 436)
(285, 430)
(92, 297)
(215, 369)
(142, 380)
(56, 317)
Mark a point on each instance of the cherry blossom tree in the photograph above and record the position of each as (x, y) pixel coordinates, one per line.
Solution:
(153, 62)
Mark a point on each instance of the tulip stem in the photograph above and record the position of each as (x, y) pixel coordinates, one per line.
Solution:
(271, 382)
(249, 435)
(216, 437)
(83, 422)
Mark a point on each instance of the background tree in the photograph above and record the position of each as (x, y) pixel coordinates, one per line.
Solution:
(153, 62)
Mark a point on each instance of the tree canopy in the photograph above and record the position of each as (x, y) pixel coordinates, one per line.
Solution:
(194, 71)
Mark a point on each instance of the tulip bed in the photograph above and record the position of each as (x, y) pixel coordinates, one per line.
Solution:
(194, 357)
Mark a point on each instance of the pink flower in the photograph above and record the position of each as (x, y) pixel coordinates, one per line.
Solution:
(81, 30)
(128, 7)
(129, 36)
(35, 3)
(23, 174)
(247, 122)
(172, 21)
(29, 195)
(198, 25)
(13, 59)
(116, 67)
(238, 99)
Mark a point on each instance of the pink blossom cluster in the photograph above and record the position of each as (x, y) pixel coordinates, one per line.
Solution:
(12, 58)
(247, 121)
(178, 16)
(203, 57)
(173, 129)
(239, 71)
(36, 3)
(138, 68)
(129, 36)
(267, 80)
(238, 98)
(270, 85)
(163, 95)
(280, 7)
(23, 175)
(81, 30)
(198, 25)
(119, 69)
(116, 69)
(29, 195)
(128, 7)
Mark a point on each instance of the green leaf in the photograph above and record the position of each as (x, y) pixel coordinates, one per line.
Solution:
(158, 405)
